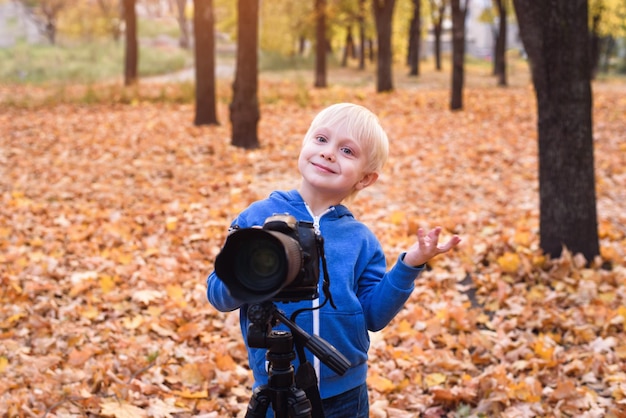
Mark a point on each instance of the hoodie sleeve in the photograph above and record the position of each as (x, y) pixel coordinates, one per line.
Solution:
(219, 296)
(383, 294)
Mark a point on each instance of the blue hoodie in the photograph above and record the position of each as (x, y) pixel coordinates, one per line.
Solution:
(367, 297)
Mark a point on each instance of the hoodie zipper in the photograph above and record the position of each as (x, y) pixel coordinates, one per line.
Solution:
(316, 302)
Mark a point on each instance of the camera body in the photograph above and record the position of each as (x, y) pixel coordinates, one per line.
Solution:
(278, 262)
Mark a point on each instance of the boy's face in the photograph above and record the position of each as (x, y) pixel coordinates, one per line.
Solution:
(333, 162)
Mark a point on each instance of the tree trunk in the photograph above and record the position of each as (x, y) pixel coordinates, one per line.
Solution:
(500, 50)
(383, 14)
(594, 47)
(244, 109)
(204, 48)
(437, 10)
(320, 43)
(348, 50)
(183, 42)
(362, 47)
(556, 37)
(458, 53)
(415, 31)
(132, 46)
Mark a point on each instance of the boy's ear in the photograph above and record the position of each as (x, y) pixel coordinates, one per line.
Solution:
(367, 180)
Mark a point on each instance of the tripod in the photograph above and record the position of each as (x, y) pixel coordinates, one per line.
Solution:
(281, 391)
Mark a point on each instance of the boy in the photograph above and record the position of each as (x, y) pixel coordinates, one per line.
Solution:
(343, 152)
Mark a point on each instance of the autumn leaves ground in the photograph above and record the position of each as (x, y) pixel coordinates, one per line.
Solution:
(111, 216)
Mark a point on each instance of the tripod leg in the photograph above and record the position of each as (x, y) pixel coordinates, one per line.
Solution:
(259, 402)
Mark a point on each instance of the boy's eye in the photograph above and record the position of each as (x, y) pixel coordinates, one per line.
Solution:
(347, 151)
(320, 138)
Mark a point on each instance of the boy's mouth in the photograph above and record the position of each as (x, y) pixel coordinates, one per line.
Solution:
(322, 168)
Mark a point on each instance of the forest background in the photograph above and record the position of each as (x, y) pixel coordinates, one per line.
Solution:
(114, 206)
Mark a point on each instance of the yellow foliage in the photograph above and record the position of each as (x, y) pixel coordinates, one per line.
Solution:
(380, 383)
(434, 379)
(509, 262)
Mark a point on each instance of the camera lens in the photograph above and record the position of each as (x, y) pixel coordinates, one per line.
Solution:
(260, 265)
(256, 264)
(264, 262)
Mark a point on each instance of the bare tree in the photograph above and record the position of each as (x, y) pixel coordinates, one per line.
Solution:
(320, 43)
(555, 34)
(204, 48)
(459, 12)
(415, 38)
(131, 60)
(383, 14)
(244, 108)
(499, 56)
(437, 15)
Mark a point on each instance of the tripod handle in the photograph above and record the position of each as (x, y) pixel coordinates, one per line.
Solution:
(328, 354)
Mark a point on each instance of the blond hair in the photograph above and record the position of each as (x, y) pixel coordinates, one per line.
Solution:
(364, 127)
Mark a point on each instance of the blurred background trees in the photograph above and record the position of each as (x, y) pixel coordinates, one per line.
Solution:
(289, 30)
(380, 36)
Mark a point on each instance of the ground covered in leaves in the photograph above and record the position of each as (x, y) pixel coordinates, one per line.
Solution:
(111, 217)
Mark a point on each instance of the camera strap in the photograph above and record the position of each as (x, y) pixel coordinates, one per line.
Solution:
(307, 381)
(326, 281)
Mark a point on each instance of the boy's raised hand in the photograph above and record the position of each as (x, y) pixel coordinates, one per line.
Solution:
(427, 246)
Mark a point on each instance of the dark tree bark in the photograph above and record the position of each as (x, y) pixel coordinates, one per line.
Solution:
(362, 47)
(131, 59)
(500, 47)
(244, 109)
(348, 50)
(459, 12)
(383, 14)
(437, 14)
(594, 47)
(204, 49)
(321, 47)
(415, 32)
(556, 38)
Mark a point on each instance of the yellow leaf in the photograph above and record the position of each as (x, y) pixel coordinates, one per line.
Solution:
(397, 217)
(170, 223)
(435, 379)
(380, 383)
(621, 311)
(107, 283)
(89, 312)
(542, 350)
(526, 392)
(124, 258)
(4, 363)
(522, 238)
(175, 293)
(405, 327)
(509, 262)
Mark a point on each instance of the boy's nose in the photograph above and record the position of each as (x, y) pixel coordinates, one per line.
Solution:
(327, 155)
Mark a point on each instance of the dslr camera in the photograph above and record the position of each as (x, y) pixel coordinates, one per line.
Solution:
(278, 262)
